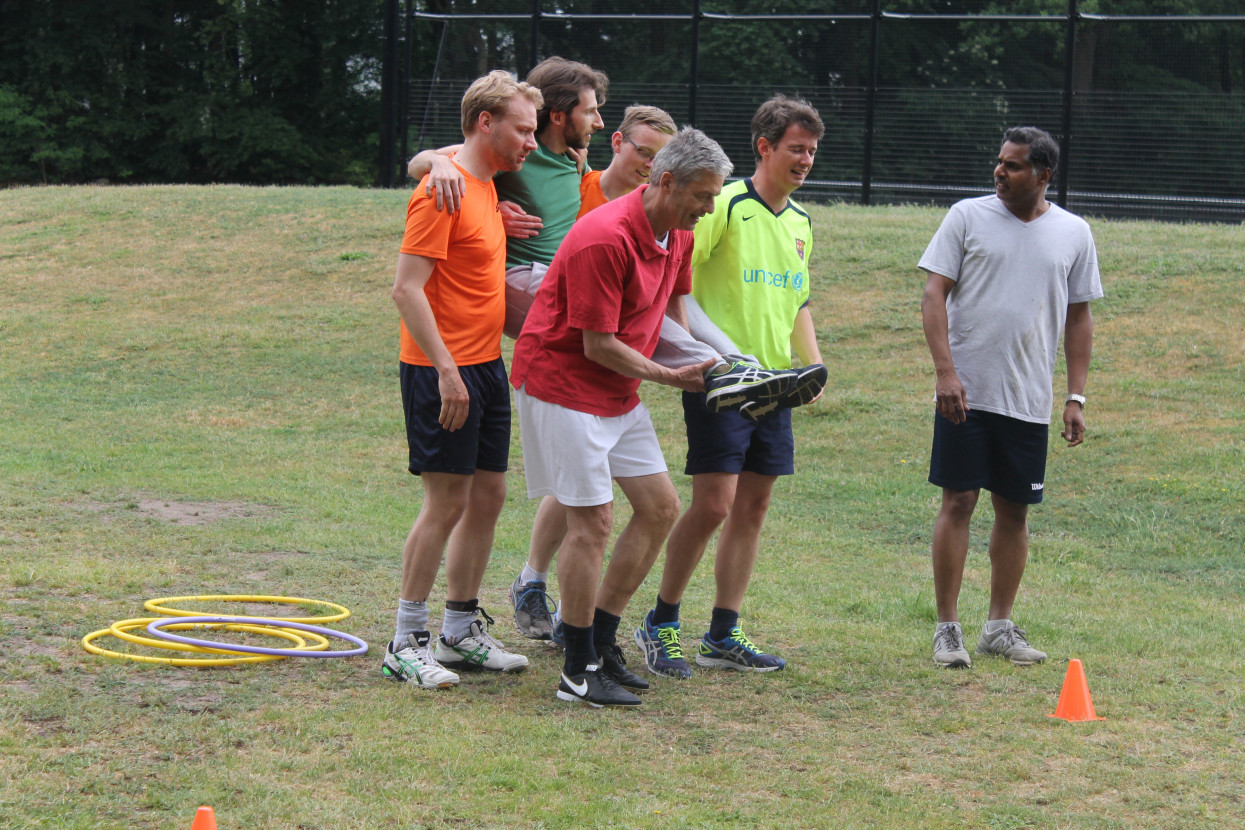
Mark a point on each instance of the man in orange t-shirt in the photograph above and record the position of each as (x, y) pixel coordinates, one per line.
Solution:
(449, 291)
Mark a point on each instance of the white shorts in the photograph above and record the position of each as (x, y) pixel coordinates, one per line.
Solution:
(574, 456)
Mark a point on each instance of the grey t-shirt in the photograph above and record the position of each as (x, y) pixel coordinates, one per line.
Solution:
(1006, 313)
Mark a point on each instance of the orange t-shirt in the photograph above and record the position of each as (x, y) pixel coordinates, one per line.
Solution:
(591, 195)
(467, 286)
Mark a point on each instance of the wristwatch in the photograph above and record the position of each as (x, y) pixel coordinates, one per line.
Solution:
(1074, 397)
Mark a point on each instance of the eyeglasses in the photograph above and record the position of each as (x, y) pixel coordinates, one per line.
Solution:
(645, 153)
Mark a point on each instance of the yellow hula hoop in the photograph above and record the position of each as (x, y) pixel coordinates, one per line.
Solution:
(158, 606)
(121, 630)
(89, 645)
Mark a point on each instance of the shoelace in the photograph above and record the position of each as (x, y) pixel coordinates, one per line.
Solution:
(535, 601)
(669, 637)
(952, 637)
(738, 635)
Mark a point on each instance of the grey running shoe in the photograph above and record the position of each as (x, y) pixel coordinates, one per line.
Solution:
(949, 651)
(743, 382)
(1009, 642)
(736, 652)
(414, 664)
(478, 650)
(663, 654)
(533, 616)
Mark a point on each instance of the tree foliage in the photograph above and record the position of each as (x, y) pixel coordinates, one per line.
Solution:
(278, 91)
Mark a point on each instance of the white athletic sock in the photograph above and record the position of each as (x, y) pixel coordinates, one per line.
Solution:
(412, 617)
(531, 575)
(995, 626)
(456, 625)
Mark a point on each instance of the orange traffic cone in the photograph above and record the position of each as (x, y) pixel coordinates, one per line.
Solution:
(1074, 702)
(205, 819)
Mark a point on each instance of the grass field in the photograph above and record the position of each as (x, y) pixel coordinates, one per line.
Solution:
(198, 395)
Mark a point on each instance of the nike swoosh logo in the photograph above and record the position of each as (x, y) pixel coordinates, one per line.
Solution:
(579, 690)
(746, 218)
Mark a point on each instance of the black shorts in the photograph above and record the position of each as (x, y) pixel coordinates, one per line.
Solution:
(482, 443)
(988, 451)
(727, 442)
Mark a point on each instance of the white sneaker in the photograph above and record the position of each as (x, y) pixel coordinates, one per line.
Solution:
(1009, 641)
(414, 664)
(478, 650)
(949, 651)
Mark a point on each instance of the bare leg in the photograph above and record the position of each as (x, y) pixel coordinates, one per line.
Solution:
(950, 549)
(579, 561)
(712, 496)
(655, 506)
(740, 540)
(548, 530)
(1009, 551)
(445, 500)
(471, 541)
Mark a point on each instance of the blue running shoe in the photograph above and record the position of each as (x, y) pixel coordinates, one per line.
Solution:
(736, 652)
(663, 655)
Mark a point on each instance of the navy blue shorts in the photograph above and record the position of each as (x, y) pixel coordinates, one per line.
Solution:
(727, 442)
(482, 443)
(988, 451)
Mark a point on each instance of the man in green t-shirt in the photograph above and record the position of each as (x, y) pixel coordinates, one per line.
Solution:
(750, 276)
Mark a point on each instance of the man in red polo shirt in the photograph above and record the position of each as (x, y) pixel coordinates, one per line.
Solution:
(578, 363)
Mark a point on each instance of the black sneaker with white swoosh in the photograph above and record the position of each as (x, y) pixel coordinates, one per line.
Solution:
(594, 688)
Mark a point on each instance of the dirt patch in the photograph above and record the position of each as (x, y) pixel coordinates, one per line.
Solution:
(185, 512)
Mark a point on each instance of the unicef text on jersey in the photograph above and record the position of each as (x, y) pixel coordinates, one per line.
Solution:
(771, 278)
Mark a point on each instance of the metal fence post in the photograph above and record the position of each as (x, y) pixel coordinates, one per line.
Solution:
(871, 94)
(388, 95)
(695, 67)
(534, 52)
(1069, 67)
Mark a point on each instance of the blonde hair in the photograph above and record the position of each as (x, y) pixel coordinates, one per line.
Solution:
(640, 115)
(492, 94)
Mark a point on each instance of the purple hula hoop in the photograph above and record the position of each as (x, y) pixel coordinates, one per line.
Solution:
(154, 628)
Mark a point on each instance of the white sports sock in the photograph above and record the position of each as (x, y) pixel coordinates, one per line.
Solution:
(530, 575)
(412, 617)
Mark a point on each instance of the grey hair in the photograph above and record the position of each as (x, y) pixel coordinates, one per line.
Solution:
(1043, 149)
(688, 154)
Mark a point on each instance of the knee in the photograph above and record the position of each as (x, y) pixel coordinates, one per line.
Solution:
(958, 505)
(591, 530)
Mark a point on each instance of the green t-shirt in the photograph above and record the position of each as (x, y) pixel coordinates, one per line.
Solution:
(750, 271)
(547, 185)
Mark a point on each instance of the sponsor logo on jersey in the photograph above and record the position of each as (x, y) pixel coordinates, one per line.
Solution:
(773, 279)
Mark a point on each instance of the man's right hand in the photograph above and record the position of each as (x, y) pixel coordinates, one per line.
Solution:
(455, 402)
(517, 223)
(691, 378)
(446, 182)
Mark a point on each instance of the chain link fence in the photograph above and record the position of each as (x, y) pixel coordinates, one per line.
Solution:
(1148, 108)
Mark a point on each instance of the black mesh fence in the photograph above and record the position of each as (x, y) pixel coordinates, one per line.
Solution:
(915, 94)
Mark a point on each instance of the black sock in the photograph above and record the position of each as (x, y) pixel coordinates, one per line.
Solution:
(665, 612)
(722, 623)
(579, 650)
(604, 630)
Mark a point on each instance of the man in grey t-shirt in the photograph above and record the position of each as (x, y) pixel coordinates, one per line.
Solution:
(1007, 274)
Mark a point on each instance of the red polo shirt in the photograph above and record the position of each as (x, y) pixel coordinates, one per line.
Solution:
(609, 276)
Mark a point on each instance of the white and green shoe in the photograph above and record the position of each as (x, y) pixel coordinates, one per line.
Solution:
(414, 663)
